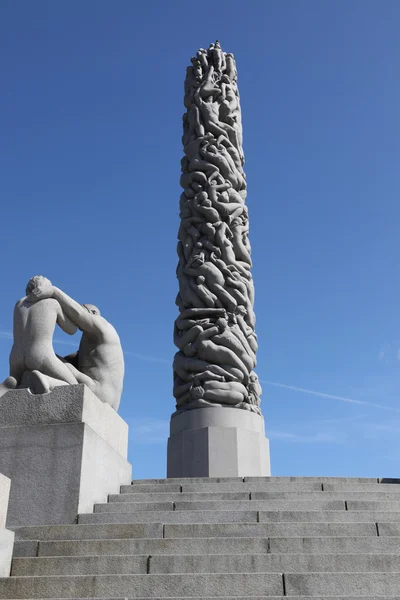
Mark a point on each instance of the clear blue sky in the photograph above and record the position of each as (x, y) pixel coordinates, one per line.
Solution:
(90, 115)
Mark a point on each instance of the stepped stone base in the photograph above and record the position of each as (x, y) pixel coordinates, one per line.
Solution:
(302, 538)
(63, 451)
(217, 442)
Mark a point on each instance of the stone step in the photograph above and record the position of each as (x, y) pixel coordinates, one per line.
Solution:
(266, 485)
(328, 584)
(173, 496)
(253, 495)
(342, 495)
(228, 487)
(227, 506)
(182, 516)
(89, 532)
(369, 597)
(182, 480)
(224, 563)
(241, 516)
(137, 586)
(373, 505)
(220, 545)
(273, 530)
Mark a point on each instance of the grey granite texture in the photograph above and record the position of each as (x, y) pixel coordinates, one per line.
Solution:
(59, 465)
(214, 551)
(5, 483)
(65, 404)
(6, 537)
(215, 329)
(92, 586)
(89, 532)
(272, 530)
(312, 584)
(223, 563)
(234, 505)
(98, 363)
(155, 546)
(181, 516)
(217, 441)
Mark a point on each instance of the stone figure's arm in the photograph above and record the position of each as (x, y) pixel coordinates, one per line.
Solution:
(65, 322)
(76, 313)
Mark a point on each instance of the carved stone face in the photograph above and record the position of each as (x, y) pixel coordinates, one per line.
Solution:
(92, 309)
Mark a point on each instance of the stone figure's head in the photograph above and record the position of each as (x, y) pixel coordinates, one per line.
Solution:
(197, 260)
(36, 281)
(92, 309)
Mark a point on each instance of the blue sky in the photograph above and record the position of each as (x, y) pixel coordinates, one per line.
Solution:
(90, 116)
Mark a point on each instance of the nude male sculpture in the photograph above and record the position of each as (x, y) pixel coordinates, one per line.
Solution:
(100, 361)
(34, 326)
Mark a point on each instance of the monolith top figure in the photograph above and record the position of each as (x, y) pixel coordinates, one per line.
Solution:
(215, 329)
(98, 363)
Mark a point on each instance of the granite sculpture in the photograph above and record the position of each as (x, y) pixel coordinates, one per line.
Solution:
(98, 363)
(214, 331)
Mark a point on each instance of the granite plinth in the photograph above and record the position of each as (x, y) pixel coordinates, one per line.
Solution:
(64, 451)
(217, 442)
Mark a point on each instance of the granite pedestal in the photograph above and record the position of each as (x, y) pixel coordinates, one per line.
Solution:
(6, 537)
(217, 442)
(64, 451)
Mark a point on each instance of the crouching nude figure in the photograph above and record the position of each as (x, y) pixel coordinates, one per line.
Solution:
(99, 362)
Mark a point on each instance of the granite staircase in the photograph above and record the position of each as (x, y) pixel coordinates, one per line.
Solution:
(275, 537)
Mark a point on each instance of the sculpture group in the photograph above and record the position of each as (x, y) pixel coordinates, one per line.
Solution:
(215, 329)
(98, 363)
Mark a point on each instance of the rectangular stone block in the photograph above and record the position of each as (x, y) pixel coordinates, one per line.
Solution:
(334, 584)
(331, 516)
(269, 563)
(133, 507)
(80, 565)
(91, 532)
(6, 550)
(333, 545)
(271, 530)
(303, 495)
(155, 488)
(175, 496)
(269, 486)
(262, 505)
(378, 505)
(181, 480)
(385, 528)
(5, 483)
(29, 548)
(59, 469)
(365, 487)
(65, 404)
(148, 546)
(207, 516)
(353, 480)
(136, 586)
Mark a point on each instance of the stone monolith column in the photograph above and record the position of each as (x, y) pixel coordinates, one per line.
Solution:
(217, 429)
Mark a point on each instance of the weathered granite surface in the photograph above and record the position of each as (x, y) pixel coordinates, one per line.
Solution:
(64, 451)
(215, 329)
